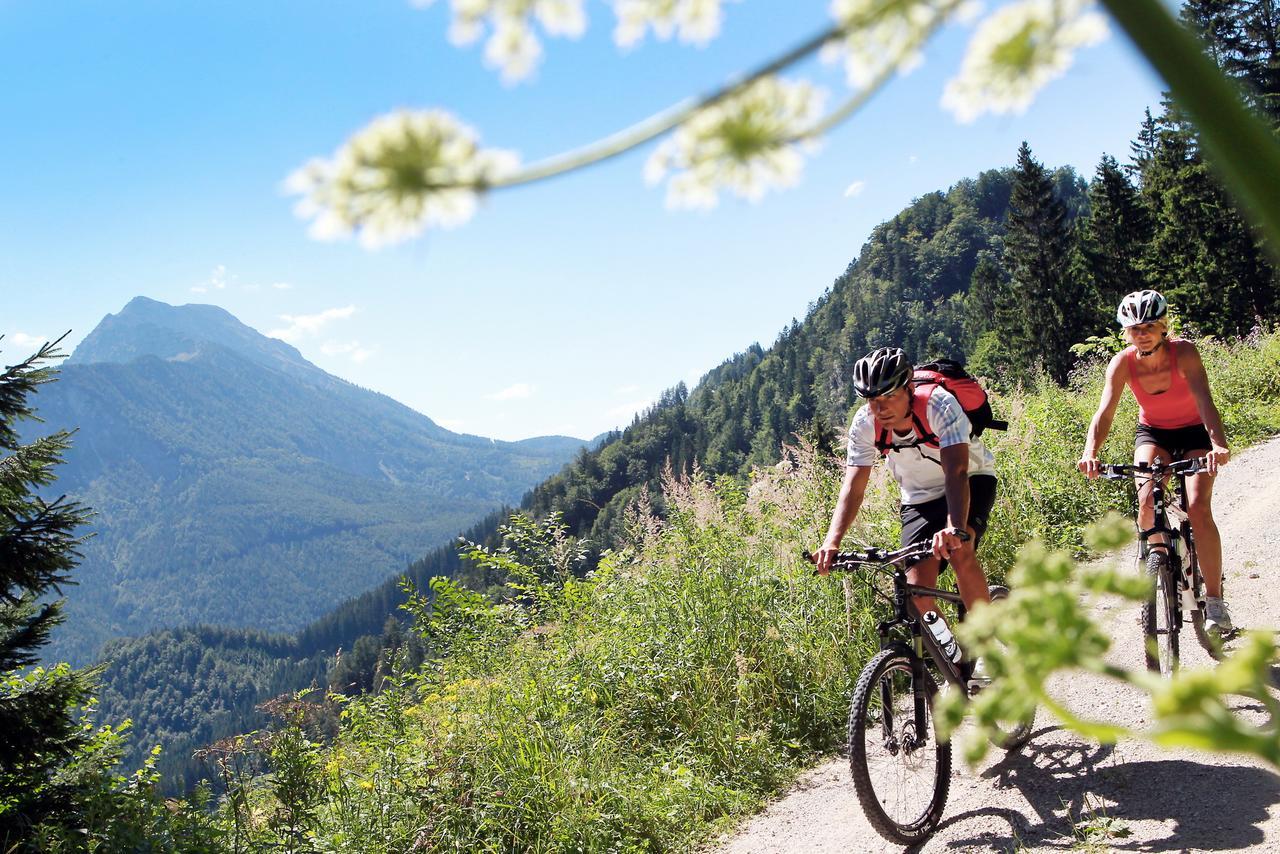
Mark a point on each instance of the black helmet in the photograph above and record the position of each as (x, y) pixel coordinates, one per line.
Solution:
(1141, 307)
(881, 371)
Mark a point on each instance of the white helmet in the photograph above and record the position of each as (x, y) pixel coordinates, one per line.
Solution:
(1141, 307)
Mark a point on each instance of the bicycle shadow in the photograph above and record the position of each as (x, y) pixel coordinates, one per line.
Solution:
(1212, 807)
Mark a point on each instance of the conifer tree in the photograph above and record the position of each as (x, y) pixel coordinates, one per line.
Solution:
(1113, 237)
(39, 735)
(1045, 315)
(1202, 255)
(1243, 37)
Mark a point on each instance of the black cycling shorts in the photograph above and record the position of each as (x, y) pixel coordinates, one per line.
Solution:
(922, 521)
(1178, 441)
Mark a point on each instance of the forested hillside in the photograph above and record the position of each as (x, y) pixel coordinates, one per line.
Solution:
(236, 484)
(1010, 269)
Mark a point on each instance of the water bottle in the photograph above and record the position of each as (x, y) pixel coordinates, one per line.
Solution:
(943, 636)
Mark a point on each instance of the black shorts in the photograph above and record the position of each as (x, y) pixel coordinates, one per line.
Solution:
(1178, 441)
(922, 521)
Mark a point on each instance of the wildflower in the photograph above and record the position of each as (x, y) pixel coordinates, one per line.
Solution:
(513, 47)
(1017, 51)
(748, 143)
(883, 34)
(404, 173)
(695, 21)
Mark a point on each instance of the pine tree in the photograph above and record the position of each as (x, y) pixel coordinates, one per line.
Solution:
(1046, 315)
(1202, 255)
(1243, 37)
(39, 733)
(1113, 237)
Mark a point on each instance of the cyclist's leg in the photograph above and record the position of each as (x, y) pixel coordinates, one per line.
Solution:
(1148, 451)
(921, 522)
(970, 578)
(1205, 529)
(925, 574)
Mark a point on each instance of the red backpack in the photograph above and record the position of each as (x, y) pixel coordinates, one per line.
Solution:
(952, 376)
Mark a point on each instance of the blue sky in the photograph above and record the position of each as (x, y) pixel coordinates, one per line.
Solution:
(145, 145)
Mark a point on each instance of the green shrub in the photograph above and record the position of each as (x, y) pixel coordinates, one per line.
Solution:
(696, 670)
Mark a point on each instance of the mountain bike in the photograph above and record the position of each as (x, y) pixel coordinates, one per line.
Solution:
(1179, 586)
(901, 770)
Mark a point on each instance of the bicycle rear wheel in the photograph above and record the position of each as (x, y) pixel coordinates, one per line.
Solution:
(1160, 616)
(1009, 737)
(901, 771)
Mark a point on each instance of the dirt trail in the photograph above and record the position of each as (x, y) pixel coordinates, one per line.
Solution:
(1027, 800)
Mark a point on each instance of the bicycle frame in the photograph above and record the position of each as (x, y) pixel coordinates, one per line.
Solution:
(1187, 571)
(906, 616)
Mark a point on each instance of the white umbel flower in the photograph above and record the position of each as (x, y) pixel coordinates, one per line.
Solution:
(693, 21)
(403, 174)
(1017, 51)
(513, 47)
(747, 144)
(883, 34)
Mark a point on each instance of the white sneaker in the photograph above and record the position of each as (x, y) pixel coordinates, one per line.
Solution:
(978, 678)
(1217, 619)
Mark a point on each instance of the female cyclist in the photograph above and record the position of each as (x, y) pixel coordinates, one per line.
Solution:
(1176, 420)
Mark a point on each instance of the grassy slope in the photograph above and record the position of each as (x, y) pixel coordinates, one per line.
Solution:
(698, 669)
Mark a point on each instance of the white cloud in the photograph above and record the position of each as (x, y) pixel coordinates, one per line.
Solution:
(22, 339)
(519, 391)
(352, 349)
(282, 286)
(626, 389)
(913, 158)
(855, 189)
(217, 281)
(456, 425)
(308, 325)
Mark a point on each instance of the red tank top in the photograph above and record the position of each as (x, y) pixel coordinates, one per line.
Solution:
(1169, 409)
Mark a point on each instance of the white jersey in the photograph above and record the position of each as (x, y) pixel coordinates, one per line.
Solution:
(918, 470)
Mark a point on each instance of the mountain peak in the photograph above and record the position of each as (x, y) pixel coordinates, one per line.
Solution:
(148, 327)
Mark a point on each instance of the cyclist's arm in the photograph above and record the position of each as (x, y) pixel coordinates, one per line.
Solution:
(852, 492)
(1100, 426)
(1192, 368)
(955, 470)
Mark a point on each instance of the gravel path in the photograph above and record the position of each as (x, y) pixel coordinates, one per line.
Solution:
(1032, 799)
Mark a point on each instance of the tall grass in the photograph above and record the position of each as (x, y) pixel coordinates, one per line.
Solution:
(695, 671)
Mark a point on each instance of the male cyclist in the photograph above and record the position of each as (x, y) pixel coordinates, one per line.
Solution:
(948, 482)
(1177, 420)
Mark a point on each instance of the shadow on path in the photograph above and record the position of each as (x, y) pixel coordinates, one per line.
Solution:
(1212, 807)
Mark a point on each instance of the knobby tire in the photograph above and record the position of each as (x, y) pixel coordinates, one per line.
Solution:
(1009, 737)
(1160, 616)
(902, 790)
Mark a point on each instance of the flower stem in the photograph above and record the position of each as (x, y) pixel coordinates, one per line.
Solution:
(658, 124)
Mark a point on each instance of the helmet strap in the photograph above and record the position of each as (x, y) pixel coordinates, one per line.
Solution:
(1144, 354)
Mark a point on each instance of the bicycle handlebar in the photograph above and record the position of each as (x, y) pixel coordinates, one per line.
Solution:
(882, 557)
(1112, 471)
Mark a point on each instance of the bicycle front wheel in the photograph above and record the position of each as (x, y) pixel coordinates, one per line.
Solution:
(1160, 616)
(901, 771)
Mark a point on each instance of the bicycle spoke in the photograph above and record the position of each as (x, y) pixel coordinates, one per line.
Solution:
(900, 771)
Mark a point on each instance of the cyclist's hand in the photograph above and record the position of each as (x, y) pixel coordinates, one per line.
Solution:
(1090, 466)
(1216, 458)
(945, 542)
(824, 556)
